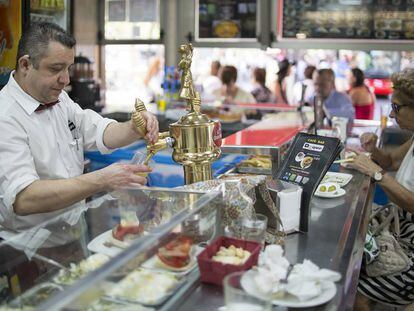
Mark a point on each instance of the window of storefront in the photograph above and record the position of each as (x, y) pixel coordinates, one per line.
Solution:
(132, 20)
(133, 52)
(132, 71)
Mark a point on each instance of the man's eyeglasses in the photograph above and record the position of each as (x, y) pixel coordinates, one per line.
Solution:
(396, 107)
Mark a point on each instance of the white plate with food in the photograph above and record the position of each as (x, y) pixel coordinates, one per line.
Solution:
(106, 243)
(156, 264)
(144, 287)
(102, 245)
(288, 300)
(329, 190)
(342, 179)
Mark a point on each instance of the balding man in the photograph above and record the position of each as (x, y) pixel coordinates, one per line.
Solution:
(44, 134)
(336, 104)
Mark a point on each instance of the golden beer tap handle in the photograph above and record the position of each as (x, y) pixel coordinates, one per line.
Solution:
(164, 139)
(138, 119)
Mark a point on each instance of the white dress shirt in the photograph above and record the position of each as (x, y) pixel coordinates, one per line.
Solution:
(47, 144)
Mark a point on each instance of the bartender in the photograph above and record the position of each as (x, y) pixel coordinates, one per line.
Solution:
(396, 289)
(44, 135)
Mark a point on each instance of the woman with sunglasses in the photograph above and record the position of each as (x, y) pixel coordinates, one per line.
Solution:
(396, 289)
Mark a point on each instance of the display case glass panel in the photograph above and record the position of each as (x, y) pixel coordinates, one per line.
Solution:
(346, 19)
(115, 237)
(227, 21)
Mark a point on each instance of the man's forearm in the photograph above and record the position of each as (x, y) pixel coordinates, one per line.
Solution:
(120, 134)
(44, 196)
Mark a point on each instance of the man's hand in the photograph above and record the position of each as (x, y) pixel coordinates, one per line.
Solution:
(369, 141)
(152, 126)
(120, 175)
(364, 164)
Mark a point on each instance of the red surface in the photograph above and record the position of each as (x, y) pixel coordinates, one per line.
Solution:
(380, 86)
(265, 106)
(258, 106)
(269, 132)
(253, 137)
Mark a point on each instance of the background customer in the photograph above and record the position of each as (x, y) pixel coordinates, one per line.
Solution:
(362, 98)
(261, 92)
(395, 289)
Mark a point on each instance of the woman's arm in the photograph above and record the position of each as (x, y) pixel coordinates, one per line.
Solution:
(392, 160)
(397, 193)
(387, 160)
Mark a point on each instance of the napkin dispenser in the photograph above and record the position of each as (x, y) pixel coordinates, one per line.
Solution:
(288, 198)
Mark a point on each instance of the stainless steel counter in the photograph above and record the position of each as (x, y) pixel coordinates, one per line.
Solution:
(335, 241)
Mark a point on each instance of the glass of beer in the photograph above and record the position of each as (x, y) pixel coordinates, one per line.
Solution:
(385, 111)
(139, 158)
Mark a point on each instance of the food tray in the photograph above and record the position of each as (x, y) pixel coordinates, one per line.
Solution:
(246, 167)
(36, 295)
(155, 303)
(254, 170)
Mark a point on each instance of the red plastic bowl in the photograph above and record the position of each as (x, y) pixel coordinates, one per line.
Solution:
(214, 272)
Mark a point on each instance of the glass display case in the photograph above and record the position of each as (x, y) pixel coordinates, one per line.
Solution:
(346, 19)
(134, 248)
(226, 21)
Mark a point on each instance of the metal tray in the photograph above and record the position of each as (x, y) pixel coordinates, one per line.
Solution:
(33, 297)
(254, 170)
(160, 301)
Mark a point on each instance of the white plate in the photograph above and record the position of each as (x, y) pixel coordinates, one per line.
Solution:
(342, 179)
(328, 292)
(328, 195)
(97, 245)
(155, 264)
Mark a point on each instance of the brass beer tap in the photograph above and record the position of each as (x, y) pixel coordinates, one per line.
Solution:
(195, 139)
(164, 140)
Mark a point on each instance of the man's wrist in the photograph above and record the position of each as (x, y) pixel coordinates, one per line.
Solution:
(135, 133)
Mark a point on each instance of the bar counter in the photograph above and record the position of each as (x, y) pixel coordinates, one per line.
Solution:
(335, 241)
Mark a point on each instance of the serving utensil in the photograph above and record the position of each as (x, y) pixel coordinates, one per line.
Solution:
(289, 270)
(344, 160)
(51, 261)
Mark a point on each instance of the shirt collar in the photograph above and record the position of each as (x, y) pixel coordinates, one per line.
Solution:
(27, 102)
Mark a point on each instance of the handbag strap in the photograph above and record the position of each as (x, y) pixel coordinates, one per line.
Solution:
(385, 223)
(394, 211)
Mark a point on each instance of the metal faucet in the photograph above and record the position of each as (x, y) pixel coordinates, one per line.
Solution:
(195, 139)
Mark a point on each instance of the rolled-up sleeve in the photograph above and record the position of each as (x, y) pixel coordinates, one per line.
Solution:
(17, 170)
(92, 126)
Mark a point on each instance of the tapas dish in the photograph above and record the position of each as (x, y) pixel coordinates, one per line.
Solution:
(329, 190)
(144, 287)
(77, 271)
(342, 179)
(231, 255)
